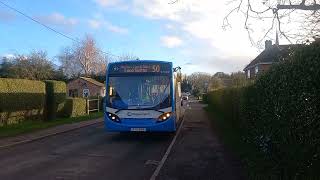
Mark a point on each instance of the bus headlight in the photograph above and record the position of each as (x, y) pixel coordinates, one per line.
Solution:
(164, 116)
(113, 117)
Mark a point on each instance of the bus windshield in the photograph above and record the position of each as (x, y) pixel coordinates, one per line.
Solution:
(139, 92)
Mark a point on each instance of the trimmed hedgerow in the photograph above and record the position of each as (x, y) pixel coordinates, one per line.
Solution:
(279, 116)
(55, 98)
(75, 107)
(21, 99)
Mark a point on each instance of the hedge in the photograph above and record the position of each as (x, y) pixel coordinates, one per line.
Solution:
(75, 107)
(55, 98)
(279, 115)
(21, 99)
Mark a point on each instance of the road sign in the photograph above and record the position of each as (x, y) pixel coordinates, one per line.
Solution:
(86, 93)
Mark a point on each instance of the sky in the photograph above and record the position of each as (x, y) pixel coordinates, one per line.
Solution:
(188, 33)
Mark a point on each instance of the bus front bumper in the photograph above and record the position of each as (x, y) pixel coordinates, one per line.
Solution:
(142, 125)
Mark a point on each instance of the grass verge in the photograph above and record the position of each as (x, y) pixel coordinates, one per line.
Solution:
(31, 126)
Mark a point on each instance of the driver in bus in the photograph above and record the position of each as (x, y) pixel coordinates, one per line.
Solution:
(117, 101)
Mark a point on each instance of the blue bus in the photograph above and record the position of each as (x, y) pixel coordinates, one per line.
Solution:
(142, 95)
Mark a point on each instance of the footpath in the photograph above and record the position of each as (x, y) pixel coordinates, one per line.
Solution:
(197, 153)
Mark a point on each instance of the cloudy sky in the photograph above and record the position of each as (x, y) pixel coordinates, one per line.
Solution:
(189, 32)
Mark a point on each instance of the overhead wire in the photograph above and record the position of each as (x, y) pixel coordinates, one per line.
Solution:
(48, 27)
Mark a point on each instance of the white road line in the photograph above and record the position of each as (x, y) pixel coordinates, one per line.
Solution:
(164, 158)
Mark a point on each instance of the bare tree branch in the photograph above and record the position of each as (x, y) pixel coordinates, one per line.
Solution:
(310, 29)
(313, 7)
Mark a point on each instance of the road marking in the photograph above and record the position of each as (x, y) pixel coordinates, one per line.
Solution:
(164, 158)
(152, 162)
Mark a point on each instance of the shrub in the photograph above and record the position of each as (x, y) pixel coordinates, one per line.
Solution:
(55, 98)
(279, 116)
(75, 107)
(21, 99)
(102, 103)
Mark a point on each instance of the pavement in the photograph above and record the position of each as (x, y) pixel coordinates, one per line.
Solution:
(198, 154)
(92, 153)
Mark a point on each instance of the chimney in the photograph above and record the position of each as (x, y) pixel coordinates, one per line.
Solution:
(268, 44)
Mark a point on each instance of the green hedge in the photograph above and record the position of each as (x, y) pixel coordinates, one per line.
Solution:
(75, 107)
(279, 115)
(21, 99)
(55, 99)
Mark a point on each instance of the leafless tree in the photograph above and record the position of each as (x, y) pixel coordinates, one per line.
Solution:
(88, 55)
(127, 57)
(280, 13)
(84, 58)
(200, 82)
(70, 67)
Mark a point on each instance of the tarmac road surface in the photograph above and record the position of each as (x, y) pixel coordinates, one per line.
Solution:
(91, 153)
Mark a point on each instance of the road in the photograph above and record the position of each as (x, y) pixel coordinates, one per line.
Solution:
(91, 153)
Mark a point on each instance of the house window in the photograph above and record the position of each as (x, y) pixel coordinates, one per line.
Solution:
(256, 69)
(73, 93)
(248, 73)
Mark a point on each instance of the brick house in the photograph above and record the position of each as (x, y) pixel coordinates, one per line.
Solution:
(272, 53)
(84, 87)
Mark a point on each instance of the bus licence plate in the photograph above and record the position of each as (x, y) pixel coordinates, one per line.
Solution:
(138, 129)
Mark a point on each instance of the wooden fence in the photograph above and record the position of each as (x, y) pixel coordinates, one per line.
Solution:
(93, 105)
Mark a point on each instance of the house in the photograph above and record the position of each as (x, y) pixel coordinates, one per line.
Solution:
(272, 53)
(85, 87)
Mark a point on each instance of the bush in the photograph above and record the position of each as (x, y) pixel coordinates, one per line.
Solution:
(75, 107)
(279, 116)
(21, 99)
(55, 99)
(102, 103)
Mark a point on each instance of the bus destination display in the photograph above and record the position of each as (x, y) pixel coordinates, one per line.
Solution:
(140, 68)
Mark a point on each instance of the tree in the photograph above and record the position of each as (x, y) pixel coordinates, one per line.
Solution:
(127, 57)
(83, 58)
(280, 13)
(215, 83)
(238, 79)
(35, 66)
(69, 65)
(186, 86)
(295, 20)
(200, 82)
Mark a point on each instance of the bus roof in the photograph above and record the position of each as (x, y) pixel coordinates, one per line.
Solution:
(140, 61)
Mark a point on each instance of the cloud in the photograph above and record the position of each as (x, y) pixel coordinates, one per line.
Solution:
(116, 29)
(100, 23)
(106, 3)
(169, 26)
(119, 4)
(171, 41)
(6, 16)
(200, 24)
(9, 56)
(57, 19)
(202, 20)
(94, 24)
(213, 64)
